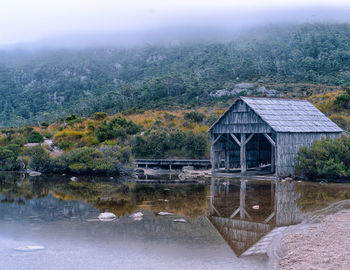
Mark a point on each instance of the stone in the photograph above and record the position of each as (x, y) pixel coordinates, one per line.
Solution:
(164, 213)
(244, 85)
(220, 93)
(107, 216)
(34, 173)
(137, 215)
(180, 220)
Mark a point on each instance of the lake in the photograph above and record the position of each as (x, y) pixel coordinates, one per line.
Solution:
(228, 222)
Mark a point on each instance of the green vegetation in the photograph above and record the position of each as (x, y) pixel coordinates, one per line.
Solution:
(8, 158)
(39, 159)
(116, 128)
(343, 100)
(104, 144)
(326, 158)
(196, 117)
(48, 85)
(35, 137)
(170, 144)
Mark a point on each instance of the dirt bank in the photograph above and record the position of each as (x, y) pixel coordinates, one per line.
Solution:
(324, 245)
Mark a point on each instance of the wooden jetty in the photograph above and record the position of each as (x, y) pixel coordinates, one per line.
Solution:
(172, 164)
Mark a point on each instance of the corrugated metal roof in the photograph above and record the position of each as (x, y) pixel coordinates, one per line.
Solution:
(288, 115)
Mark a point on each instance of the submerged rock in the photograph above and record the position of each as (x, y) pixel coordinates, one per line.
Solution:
(34, 173)
(137, 215)
(29, 248)
(164, 213)
(107, 216)
(180, 220)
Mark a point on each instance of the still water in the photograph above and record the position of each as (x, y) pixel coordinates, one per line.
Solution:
(226, 221)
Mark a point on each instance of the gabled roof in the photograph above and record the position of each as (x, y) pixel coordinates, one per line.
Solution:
(288, 115)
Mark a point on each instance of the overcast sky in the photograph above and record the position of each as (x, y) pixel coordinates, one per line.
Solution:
(32, 20)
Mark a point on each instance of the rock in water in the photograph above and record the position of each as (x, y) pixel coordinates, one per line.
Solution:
(180, 220)
(29, 248)
(33, 173)
(107, 216)
(164, 213)
(136, 215)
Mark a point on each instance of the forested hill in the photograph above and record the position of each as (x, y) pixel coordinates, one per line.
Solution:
(48, 84)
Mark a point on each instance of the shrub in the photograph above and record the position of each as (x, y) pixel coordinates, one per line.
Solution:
(91, 127)
(117, 128)
(169, 117)
(8, 159)
(194, 116)
(325, 158)
(69, 137)
(65, 145)
(39, 159)
(99, 115)
(162, 144)
(343, 100)
(20, 140)
(212, 118)
(35, 137)
(71, 118)
(89, 160)
(196, 145)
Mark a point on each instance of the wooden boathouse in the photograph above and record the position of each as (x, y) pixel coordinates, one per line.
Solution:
(257, 133)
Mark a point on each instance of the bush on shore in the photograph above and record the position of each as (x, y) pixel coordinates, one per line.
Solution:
(9, 158)
(161, 144)
(85, 160)
(325, 158)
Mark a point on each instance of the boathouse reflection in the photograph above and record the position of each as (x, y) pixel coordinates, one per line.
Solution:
(244, 211)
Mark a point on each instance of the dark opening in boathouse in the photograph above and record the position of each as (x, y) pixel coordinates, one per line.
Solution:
(265, 134)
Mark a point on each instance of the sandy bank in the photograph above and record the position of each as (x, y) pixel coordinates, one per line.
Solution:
(325, 245)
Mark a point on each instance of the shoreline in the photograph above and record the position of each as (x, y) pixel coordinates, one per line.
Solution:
(322, 242)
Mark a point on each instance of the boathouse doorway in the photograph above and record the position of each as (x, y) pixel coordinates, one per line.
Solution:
(257, 153)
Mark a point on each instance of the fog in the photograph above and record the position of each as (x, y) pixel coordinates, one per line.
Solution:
(84, 23)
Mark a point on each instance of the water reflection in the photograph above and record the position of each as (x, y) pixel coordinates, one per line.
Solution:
(244, 212)
(52, 210)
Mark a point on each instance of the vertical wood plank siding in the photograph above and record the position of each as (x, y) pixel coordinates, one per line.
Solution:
(288, 145)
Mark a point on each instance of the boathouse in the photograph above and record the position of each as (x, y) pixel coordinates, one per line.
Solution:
(265, 134)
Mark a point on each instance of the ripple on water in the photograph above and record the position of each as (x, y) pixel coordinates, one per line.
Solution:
(29, 248)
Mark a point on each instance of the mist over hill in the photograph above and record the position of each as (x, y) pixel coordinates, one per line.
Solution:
(46, 84)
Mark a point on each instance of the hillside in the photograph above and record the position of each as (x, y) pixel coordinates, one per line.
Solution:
(46, 85)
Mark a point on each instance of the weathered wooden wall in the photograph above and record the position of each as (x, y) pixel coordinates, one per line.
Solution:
(241, 119)
(288, 145)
